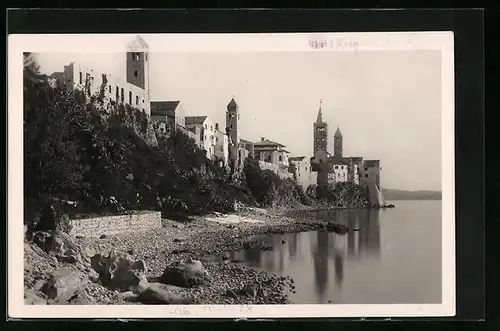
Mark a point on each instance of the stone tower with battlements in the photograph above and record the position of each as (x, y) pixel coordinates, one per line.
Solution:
(138, 73)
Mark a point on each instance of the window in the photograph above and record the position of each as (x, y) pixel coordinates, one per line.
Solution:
(366, 175)
(136, 99)
(117, 93)
(211, 128)
(336, 167)
(231, 126)
(110, 88)
(137, 56)
(142, 100)
(205, 138)
(320, 161)
(123, 95)
(130, 98)
(280, 158)
(206, 126)
(81, 78)
(366, 169)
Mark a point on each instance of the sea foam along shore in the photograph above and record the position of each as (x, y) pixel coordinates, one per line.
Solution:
(213, 236)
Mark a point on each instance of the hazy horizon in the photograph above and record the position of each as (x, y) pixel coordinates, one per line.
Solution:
(386, 103)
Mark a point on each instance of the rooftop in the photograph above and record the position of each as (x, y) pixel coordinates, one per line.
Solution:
(195, 119)
(164, 108)
(296, 158)
(267, 142)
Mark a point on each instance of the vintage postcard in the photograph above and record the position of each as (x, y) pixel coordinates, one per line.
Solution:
(231, 175)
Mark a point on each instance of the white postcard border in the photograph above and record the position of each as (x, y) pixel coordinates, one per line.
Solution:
(322, 42)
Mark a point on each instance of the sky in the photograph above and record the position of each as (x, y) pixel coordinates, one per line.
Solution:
(387, 104)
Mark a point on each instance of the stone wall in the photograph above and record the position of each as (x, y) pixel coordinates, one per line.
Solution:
(109, 225)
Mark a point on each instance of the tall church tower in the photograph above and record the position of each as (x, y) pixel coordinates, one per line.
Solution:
(320, 132)
(233, 121)
(337, 143)
(138, 69)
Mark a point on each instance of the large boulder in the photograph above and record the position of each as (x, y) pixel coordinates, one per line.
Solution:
(58, 244)
(63, 285)
(31, 297)
(158, 295)
(186, 274)
(118, 270)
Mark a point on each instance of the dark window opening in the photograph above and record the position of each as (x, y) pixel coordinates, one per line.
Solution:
(136, 99)
(336, 167)
(366, 175)
(117, 93)
(123, 95)
(110, 88)
(366, 169)
(136, 73)
(280, 158)
(81, 78)
(130, 98)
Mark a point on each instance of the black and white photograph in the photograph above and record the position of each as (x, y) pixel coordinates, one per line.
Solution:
(237, 175)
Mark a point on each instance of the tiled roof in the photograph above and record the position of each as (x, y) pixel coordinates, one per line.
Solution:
(195, 119)
(296, 158)
(371, 163)
(164, 108)
(269, 149)
(232, 105)
(268, 142)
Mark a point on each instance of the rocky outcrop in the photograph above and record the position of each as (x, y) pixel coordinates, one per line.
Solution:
(32, 297)
(156, 294)
(186, 274)
(63, 285)
(118, 270)
(58, 244)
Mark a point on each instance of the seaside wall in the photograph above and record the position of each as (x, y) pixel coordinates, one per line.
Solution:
(109, 225)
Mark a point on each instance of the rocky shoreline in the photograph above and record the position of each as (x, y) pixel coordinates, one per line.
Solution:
(175, 242)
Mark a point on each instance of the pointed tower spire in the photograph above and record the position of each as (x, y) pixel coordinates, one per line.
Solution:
(320, 113)
(338, 133)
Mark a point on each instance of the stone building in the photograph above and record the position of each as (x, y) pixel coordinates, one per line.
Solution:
(204, 130)
(300, 167)
(237, 147)
(272, 156)
(337, 168)
(132, 90)
(221, 146)
(168, 114)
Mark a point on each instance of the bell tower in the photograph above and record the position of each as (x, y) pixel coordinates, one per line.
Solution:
(233, 121)
(337, 143)
(320, 134)
(137, 63)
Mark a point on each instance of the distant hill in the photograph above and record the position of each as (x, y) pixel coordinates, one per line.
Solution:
(392, 194)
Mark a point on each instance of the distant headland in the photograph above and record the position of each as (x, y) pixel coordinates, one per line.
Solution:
(393, 194)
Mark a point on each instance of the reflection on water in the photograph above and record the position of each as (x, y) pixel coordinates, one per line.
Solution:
(393, 258)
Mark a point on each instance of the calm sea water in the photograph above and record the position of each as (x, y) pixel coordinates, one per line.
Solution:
(395, 257)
